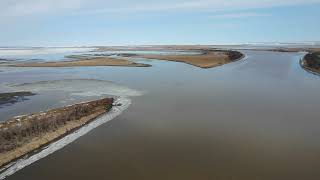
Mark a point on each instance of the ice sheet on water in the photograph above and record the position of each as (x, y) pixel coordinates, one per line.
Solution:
(78, 87)
(39, 51)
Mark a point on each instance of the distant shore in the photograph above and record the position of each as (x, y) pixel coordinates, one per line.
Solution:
(204, 47)
(287, 49)
(100, 61)
(206, 59)
(24, 134)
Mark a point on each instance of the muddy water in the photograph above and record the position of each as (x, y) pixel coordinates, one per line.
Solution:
(252, 119)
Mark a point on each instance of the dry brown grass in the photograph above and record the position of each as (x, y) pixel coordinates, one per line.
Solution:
(208, 59)
(23, 134)
(101, 61)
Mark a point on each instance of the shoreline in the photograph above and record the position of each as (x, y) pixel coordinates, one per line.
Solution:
(39, 148)
(206, 47)
(100, 61)
(303, 63)
(288, 50)
(78, 115)
(208, 58)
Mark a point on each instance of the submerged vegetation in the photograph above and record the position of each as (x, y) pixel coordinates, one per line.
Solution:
(14, 97)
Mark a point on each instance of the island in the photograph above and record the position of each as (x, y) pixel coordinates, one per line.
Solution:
(311, 62)
(24, 134)
(206, 59)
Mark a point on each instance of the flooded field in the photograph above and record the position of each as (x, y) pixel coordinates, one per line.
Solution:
(251, 119)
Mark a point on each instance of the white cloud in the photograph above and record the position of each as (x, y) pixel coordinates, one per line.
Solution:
(15, 8)
(239, 15)
(35, 7)
(190, 5)
(224, 26)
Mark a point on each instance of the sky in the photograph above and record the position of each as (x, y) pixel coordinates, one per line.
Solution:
(150, 22)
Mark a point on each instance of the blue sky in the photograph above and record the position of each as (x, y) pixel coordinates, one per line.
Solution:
(129, 22)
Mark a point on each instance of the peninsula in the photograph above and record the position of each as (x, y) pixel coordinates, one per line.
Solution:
(24, 134)
(206, 59)
(99, 61)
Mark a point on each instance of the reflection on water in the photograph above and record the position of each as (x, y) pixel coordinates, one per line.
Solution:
(251, 119)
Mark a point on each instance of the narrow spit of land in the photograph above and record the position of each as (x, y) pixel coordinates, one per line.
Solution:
(24, 134)
(100, 61)
(207, 59)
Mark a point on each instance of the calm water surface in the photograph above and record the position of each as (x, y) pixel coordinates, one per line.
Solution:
(253, 119)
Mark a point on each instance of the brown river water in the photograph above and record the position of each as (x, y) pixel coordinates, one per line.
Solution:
(254, 119)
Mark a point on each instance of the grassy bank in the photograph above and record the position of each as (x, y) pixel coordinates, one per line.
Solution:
(207, 59)
(99, 61)
(23, 134)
